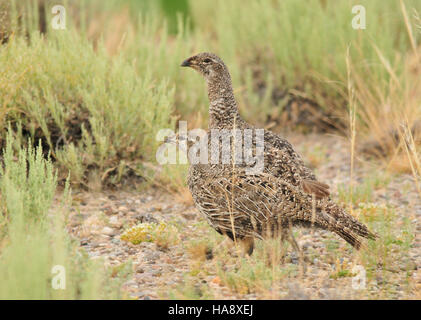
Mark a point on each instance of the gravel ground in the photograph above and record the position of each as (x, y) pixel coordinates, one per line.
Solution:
(98, 219)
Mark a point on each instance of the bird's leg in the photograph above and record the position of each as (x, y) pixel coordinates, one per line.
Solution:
(226, 243)
(297, 249)
(247, 244)
(284, 236)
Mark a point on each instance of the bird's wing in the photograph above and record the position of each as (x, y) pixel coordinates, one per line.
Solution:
(316, 188)
(250, 203)
(287, 164)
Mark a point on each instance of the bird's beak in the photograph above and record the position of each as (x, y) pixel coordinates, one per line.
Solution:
(187, 63)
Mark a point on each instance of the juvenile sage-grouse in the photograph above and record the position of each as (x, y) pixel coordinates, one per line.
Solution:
(246, 205)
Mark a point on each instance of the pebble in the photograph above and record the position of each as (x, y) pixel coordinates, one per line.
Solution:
(108, 210)
(108, 231)
(411, 265)
(115, 241)
(152, 256)
(115, 222)
(146, 217)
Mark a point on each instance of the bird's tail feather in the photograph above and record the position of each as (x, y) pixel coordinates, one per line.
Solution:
(349, 237)
(337, 220)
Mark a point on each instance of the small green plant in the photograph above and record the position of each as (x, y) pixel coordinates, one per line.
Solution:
(371, 211)
(162, 234)
(28, 182)
(33, 230)
(363, 192)
(390, 252)
(342, 274)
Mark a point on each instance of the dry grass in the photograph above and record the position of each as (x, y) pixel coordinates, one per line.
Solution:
(389, 110)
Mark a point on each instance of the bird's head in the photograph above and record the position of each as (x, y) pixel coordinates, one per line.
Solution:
(207, 64)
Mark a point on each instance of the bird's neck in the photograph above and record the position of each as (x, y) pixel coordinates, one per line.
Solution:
(223, 112)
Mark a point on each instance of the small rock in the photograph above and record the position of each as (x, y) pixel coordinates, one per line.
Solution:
(115, 241)
(146, 217)
(380, 280)
(108, 231)
(77, 220)
(130, 283)
(115, 222)
(305, 244)
(152, 256)
(411, 265)
(109, 210)
(93, 254)
(156, 273)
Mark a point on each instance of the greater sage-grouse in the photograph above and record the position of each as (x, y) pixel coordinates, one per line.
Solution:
(244, 205)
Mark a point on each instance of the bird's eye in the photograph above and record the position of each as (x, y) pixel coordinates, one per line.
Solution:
(207, 60)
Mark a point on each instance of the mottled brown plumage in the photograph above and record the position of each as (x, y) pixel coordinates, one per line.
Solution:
(246, 206)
